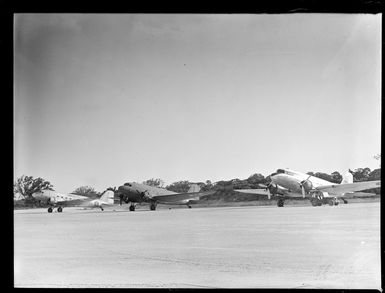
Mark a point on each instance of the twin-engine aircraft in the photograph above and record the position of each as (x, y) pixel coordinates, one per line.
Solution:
(56, 199)
(286, 183)
(135, 193)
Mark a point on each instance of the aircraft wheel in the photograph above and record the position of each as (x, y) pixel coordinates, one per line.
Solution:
(132, 208)
(59, 209)
(336, 203)
(50, 210)
(189, 207)
(153, 207)
(280, 203)
(331, 202)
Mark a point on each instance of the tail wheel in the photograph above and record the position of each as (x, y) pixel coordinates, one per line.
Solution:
(50, 210)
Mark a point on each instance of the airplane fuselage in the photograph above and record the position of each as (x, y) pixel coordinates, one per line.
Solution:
(136, 192)
(292, 181)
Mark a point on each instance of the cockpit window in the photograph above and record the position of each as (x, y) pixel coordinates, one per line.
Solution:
(279, 171)
(127, 184)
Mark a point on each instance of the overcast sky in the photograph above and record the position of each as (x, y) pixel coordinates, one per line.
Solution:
(105, 99)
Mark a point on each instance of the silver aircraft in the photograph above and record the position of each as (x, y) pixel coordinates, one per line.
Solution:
(286, 183)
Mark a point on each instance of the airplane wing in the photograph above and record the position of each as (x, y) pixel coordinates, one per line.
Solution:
(261, 191)
(349, 187)
(75, 196)
(181, 196)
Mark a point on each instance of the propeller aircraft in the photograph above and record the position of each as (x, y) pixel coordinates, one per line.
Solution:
(286, 183)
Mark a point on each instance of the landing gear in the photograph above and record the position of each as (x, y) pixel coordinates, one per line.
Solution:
(344, 200)
(280, 202)
(59, 209)
(315, 202)
(101, 208)
(50, 209)
(132, 207)
(189, 206)
(153, 206)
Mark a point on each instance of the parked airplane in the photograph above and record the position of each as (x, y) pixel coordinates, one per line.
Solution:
(56, 199)
(134, 193)
(286, 183)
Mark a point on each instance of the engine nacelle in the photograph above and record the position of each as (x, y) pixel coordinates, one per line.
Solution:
(307, 185)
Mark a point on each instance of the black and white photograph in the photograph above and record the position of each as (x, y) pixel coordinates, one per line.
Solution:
(197, 150)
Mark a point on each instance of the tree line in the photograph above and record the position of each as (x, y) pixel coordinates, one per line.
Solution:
(27, 185)
(257, 180)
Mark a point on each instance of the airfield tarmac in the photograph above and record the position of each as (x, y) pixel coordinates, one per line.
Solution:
(225, 247)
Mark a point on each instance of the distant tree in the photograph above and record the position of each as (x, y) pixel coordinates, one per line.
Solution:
(208, 186)
(241, 184)
(378, 158)
(256, 179)
(336, 177)
(375, 175)
(154, 182)
(27, 185)
(324, 176)
(86, 191)
(361, 174)
(179, 186)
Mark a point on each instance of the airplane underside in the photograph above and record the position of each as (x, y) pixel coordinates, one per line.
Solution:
(315, 201)
(154, 204)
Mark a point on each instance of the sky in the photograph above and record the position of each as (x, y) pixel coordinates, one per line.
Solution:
(103, 99)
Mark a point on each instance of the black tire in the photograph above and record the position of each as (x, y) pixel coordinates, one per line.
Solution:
(153, 207)
(132, 208)
(280, 203)
(59, 209)
(50, 210)
(331, 202)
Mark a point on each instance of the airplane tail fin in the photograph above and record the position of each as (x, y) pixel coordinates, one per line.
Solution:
(194, 188)
(347, 178)
(108, 196)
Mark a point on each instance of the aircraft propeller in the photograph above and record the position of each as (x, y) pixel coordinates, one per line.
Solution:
(271, 189)
(142, 193)
(306, 186)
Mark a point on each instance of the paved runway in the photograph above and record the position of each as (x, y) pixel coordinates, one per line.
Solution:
(231, 247)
